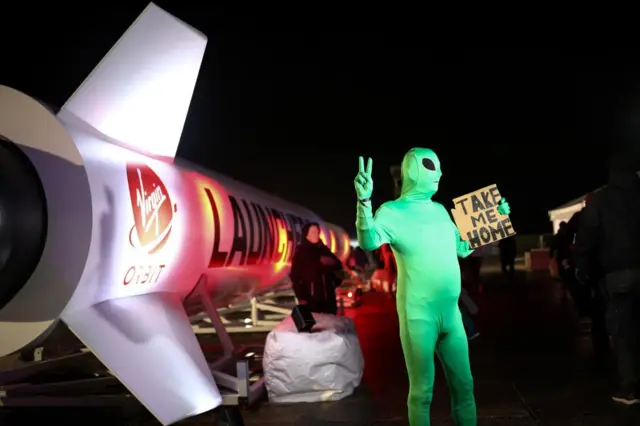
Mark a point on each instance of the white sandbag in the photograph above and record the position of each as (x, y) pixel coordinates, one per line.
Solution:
(325, 365)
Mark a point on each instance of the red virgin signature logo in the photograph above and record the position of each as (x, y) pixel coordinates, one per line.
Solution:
(152, 209)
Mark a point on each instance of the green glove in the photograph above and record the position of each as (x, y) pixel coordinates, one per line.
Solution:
(363, 181)
(503, 207)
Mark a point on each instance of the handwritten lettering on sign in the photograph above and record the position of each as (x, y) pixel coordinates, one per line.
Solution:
(477, 217)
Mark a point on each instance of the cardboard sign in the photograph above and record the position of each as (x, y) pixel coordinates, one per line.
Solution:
(478, 219)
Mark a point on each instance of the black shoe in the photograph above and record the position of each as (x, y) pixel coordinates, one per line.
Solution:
(626, 397)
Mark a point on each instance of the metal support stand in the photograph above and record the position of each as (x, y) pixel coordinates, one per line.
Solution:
(39, 366)
(236, 389)
(18, 390)
(263, 315)
(215, 319)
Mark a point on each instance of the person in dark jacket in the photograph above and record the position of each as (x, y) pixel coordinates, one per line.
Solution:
(560, 248)
(581, 293)
(609, 236)
(314, 272)
(508, 250)
(560, 251)
(588, 296)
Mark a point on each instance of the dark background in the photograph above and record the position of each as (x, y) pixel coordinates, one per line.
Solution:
(289, 111)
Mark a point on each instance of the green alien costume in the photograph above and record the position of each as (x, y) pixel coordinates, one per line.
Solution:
(426, 244)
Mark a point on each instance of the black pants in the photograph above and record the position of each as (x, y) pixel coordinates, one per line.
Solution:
(323, 306)
(599, 335)
(473, 266)
(564, 275)
(623, 322)
(319, 298)
(508, 266)
(580, 293)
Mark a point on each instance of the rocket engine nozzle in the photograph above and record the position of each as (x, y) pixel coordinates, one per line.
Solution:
(23, 220)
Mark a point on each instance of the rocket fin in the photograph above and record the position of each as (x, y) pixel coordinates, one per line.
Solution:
(148, 343)
(139, 94)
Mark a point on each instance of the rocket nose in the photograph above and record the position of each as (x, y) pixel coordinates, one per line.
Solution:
(23, 220)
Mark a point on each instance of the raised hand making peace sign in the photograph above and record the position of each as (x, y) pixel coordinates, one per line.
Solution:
(363, 181)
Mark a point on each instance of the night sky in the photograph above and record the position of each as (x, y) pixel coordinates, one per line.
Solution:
(290, 111)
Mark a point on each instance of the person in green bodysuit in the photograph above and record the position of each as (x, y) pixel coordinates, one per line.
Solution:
(426, 244)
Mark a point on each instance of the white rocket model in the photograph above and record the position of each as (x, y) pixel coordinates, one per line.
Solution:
(99, 227)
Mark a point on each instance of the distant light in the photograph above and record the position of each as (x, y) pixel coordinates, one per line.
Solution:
(249, 354)
(247, 320)
(248, 326)
(349, 294)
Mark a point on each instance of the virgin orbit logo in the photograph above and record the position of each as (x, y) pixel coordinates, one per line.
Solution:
(152, 209)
